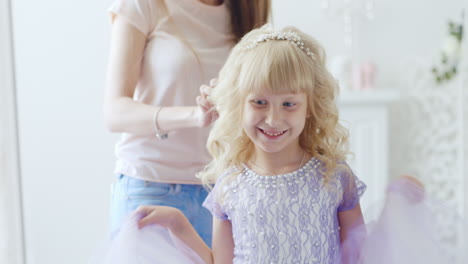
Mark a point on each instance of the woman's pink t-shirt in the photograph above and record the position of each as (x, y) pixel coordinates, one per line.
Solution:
(171, 75)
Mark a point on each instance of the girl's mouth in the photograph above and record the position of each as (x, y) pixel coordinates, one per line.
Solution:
(272, 134)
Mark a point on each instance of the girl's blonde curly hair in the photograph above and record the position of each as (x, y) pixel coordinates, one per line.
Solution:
(275, 65)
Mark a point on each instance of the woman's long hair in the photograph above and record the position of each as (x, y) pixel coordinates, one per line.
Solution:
(247, 15)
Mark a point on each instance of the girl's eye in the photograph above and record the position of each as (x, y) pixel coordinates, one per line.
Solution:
(288, 104)
(259, 102)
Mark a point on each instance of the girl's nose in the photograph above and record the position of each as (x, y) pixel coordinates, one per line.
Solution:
(273, 117)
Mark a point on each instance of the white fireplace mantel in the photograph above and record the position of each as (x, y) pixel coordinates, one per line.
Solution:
(365, 114)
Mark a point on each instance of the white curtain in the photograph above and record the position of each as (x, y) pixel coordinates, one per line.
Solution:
(11, 233)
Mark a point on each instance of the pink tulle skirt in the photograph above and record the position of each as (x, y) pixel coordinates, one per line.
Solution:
(149, 245)
(407, 229)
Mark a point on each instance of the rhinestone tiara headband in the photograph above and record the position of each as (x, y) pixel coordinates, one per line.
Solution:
(290, 36)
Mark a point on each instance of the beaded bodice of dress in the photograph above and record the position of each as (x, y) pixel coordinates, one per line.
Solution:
(288, 218)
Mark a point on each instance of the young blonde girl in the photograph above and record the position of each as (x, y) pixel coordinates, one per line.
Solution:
(283, 192)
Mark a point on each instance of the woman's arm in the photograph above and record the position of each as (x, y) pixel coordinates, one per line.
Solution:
(121, 112)
(174, 220)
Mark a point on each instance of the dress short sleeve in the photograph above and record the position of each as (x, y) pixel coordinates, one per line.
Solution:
(213, 200)
(143, 14)
(353, 188)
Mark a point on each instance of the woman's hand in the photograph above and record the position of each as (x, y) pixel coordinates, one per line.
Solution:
(174, 220)
(165, 216)
(206, 112)
(409, 187)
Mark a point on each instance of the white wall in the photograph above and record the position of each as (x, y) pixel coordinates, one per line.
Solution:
(11, 224)
(402, 31)
(66, 153)
(67, 157)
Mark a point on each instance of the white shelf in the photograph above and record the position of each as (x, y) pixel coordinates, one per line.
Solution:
(377, 96)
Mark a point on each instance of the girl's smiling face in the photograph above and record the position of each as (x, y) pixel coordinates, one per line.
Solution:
(274, 121)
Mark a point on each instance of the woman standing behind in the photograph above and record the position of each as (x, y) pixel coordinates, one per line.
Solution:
(161, 52)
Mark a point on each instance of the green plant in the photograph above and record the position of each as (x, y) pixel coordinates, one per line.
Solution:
(450, 54)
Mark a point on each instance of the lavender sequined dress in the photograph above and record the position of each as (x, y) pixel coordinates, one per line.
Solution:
(289, 218)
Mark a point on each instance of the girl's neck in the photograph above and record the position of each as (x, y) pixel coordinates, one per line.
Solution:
(278, 163)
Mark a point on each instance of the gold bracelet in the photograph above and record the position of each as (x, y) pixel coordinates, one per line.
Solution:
(159, 133)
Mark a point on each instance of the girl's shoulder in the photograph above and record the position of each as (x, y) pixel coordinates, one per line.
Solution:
(342, 173)
(315, 164)
(351, 183)
(343, 169)
(230, 172)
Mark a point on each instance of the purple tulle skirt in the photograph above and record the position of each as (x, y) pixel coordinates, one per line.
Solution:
(406, 230)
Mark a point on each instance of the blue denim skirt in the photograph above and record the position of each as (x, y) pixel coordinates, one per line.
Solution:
(128, 193)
